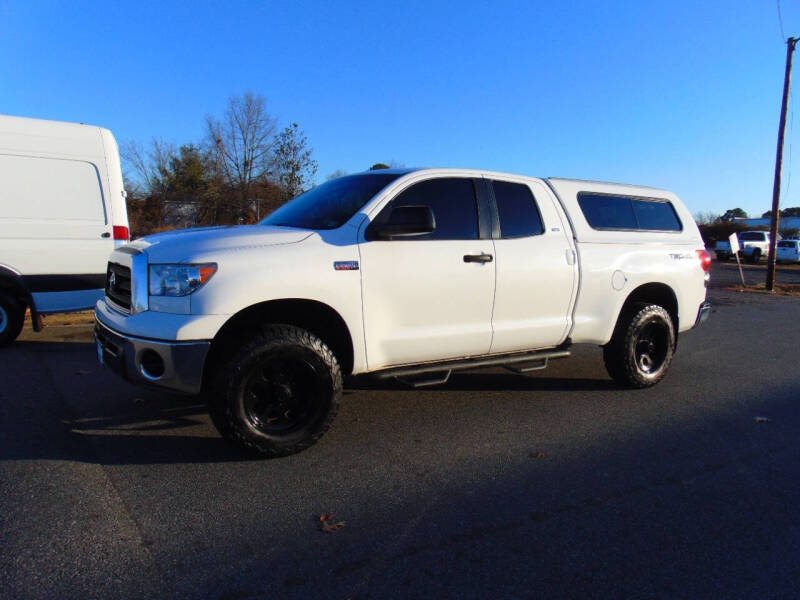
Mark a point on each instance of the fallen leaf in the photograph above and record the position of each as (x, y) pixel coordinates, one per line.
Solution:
(327, 525)
(332, 527)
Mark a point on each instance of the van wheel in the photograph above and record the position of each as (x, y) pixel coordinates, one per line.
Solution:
(641, 349)
(12, 315)
(278, 394)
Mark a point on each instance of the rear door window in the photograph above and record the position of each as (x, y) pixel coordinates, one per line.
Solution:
(517, 210)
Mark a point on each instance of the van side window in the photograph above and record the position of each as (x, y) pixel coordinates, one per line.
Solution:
(516, 207)
(607, 211)
(453, 203)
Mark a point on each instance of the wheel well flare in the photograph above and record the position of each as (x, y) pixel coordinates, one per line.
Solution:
(655, 293)
(311, 315)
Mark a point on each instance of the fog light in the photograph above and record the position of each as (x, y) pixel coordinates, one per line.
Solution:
(151, 364)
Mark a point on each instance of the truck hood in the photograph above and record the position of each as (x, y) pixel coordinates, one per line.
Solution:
(181, 245)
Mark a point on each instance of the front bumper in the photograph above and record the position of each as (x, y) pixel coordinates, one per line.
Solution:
(703, 313)
(174, 365)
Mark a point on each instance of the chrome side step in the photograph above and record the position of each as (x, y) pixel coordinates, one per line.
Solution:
(437, 373)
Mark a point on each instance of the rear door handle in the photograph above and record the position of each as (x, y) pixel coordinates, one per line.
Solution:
(478, 258)
(105, 235)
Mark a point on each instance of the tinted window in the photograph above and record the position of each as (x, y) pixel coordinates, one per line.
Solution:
(331, 204)
(604, 211)
(656, 216)
(753, 236)
(608, 212)
(452, 202)
(787, 244)
(519, 215)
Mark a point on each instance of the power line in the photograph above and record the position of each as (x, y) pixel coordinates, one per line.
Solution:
(780, 19)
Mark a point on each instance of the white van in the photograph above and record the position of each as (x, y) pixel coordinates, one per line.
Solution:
(62, 212)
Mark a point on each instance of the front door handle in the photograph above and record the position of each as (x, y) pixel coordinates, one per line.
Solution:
(478, 258)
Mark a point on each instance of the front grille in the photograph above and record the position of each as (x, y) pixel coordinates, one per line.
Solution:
(118, 285)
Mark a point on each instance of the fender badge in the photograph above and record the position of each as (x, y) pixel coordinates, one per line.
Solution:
(346, 265)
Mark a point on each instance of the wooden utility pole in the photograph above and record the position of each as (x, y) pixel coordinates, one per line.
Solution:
(776, 186)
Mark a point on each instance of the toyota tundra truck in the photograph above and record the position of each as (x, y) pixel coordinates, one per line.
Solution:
(409, 274)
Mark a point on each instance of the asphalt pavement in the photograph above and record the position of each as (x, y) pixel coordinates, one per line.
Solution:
(495, 485)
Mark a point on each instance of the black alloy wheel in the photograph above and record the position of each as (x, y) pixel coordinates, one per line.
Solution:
(281, 394)
(641, 349)
(652, 346)
(278, 394)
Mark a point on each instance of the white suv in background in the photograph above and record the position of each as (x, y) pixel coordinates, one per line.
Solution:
(788, 251)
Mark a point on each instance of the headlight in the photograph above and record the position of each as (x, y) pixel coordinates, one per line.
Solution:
(179, 280)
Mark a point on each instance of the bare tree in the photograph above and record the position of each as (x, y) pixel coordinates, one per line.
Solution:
(293, 166)
(145, 168)
(336, 174)
(145, 172)
(241, 143)
(706, 217)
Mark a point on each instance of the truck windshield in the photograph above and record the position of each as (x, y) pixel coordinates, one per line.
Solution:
(331, 204)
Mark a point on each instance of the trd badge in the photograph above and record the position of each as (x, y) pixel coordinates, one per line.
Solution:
(346, 265)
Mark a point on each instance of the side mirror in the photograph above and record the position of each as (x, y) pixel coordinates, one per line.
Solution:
(406, 221)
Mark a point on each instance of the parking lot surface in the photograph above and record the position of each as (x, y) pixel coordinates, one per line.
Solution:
(495, 485)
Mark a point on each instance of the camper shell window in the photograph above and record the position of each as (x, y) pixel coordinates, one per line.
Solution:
(628, 213)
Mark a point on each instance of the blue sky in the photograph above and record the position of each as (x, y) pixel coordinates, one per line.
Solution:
(682, 94)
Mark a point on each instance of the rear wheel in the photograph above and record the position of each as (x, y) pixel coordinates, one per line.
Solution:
(756, 256)
(278, 394)
(12, 315)
(641, 350)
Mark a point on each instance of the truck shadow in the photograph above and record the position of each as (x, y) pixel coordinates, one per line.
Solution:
(77, 411)
(160, 428)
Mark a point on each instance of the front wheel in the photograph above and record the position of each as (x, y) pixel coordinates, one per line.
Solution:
(278, 394)
(12, 316)
(641, 350)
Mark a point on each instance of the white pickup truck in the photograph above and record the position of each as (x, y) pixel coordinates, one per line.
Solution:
(409, 274)
(753, 245)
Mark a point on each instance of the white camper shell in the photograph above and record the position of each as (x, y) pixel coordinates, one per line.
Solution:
(62, 212)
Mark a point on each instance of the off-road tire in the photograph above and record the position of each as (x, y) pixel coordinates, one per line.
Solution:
(12, 315)
(641, 349)
(278, 394)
